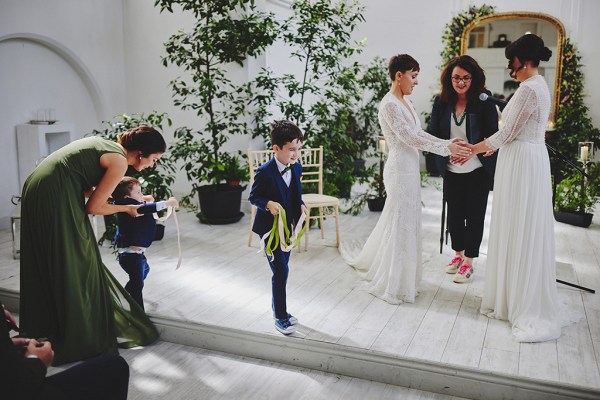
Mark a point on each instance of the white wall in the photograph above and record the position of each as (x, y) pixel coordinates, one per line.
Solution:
(67, 55)
(92, 59)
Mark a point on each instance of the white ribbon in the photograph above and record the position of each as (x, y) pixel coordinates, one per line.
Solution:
(163, 219)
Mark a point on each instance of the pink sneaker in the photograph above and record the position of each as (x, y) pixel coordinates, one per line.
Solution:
(464, 273)
(454, 264)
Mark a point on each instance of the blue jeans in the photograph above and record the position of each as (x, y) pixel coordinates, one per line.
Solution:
(280, 269)
(137, 268)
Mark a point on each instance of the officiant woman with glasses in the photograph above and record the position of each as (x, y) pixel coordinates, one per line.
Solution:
(458, 113)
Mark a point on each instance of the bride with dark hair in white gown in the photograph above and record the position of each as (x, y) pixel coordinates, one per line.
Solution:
(520, 284)
(391, 256)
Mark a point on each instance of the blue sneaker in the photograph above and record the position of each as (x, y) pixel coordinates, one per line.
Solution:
(293, 320)
(284, 326)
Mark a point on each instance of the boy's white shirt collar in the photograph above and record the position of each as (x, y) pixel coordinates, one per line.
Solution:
(280, 166)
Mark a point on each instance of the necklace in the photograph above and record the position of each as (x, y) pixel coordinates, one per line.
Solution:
(461, 119)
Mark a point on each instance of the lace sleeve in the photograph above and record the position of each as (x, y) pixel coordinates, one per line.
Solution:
(523, 105)
(416, 138)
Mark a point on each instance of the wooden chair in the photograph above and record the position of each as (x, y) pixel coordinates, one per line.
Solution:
(312, 173)
(256, 158)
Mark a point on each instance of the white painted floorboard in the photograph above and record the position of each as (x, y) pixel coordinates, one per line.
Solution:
(223, 282)
(168, 371)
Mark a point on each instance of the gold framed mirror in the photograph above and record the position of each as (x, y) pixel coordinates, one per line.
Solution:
(485, 38)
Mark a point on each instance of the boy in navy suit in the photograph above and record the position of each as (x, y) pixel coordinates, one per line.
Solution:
(134, 235)
(277, 185)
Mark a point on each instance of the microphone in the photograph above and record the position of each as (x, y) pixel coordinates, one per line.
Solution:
(500, 103)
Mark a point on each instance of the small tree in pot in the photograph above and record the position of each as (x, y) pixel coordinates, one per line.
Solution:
(225, 33)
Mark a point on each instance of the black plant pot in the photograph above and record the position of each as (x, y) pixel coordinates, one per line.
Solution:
(574, 218)
(220, 204)
(358, 165)
(376, 204)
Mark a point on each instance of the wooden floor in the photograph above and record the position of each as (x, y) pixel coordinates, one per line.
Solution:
(222, 281)
(168, 371)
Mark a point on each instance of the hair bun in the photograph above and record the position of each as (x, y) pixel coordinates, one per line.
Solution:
(545, 54)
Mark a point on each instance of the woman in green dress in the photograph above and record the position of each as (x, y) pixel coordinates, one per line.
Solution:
(67, 294)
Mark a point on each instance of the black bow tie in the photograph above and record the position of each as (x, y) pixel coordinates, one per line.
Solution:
(286, 169)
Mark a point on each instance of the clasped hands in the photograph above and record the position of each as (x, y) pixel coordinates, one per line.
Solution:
(41, 349)
(461, 151)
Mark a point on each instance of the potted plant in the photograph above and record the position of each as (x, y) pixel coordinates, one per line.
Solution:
(225, 33)
(321, 98)
(363, 126)
(375, 195)
(233, 171)
(576, 197)
(156, 181)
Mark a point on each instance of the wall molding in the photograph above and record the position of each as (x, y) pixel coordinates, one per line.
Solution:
(72, 59)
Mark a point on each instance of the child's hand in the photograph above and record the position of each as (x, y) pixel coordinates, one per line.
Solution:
(273, 207)
(148, 198)
(172, 202)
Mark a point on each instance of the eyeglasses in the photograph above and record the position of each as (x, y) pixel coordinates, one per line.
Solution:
(465, 79)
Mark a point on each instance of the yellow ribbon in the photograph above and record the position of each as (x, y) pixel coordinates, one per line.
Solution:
(279, 235)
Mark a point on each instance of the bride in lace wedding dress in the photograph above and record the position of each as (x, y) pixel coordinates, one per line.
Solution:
(520, 284)
(391, 256)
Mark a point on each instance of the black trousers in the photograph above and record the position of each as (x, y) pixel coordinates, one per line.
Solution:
(466, 196)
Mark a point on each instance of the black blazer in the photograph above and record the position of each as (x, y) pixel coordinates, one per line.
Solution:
(482, 122)
(269, 186)
(20, 377)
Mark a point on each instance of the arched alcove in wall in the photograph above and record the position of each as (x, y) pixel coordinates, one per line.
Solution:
(71, 59)
(37, 72)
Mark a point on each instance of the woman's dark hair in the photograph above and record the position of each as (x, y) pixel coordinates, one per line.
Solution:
(145, 139)
(284, 131)
(528, 47)
(402, 63)
(468, 63)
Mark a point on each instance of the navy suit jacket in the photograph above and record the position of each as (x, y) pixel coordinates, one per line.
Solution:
(482, 122)
(139, 231)
(269, 186)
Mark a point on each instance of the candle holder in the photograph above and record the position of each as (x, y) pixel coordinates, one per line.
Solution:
(586, 152)
(382, 145)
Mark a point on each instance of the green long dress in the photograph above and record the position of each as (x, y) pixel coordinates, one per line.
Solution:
(67, 293)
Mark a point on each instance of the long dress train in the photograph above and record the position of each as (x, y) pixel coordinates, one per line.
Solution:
(391, 256)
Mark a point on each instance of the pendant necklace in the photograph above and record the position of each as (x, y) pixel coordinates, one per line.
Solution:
(460, 119)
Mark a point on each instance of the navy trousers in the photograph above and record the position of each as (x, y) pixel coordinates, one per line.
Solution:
(280, 269)
(137, 268)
